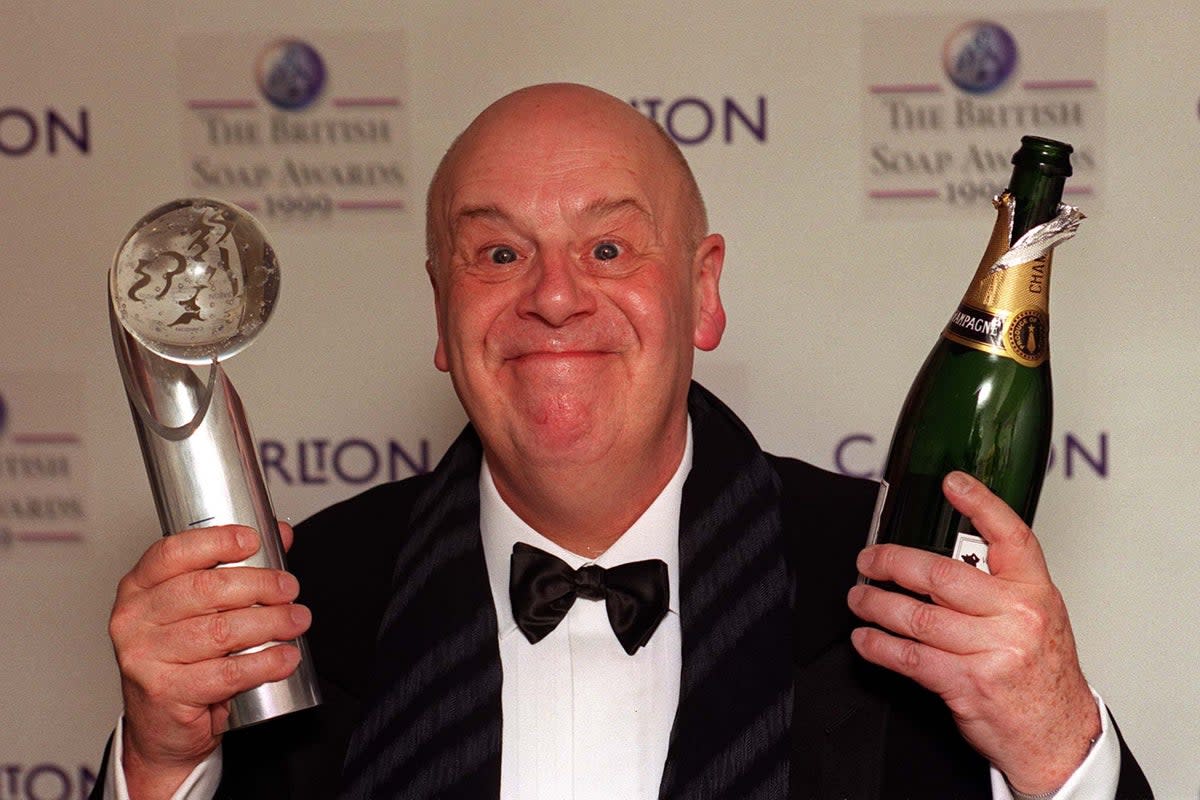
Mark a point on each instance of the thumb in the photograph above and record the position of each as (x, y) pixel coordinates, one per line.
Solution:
(1013, 551)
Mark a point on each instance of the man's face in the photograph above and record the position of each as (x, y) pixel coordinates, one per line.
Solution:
(569, 298)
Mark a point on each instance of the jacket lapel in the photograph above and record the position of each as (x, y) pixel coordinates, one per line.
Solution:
(840, 719)
(432, 726)
(730, 736)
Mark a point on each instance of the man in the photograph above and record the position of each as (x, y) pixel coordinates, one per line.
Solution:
(573, 277)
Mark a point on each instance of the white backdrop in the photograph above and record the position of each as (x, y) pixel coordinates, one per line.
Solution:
(833, 303)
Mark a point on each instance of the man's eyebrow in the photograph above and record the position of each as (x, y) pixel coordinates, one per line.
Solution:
(605, 206)
(480, 212)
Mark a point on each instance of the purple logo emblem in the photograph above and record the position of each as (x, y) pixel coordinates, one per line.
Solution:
(290, 73)
(979, 56)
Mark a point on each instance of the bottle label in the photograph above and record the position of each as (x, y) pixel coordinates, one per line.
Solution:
(876, 518)
(972, 549)
(1006, 308)
(1023, 336)
(978, 328)
(877, 513)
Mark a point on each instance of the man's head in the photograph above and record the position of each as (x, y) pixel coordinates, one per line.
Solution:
(572, 278)
(693, 203)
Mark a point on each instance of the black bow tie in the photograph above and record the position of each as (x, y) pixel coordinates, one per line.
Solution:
(543, 588)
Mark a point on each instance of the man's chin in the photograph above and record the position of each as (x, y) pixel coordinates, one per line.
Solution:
(563, 429)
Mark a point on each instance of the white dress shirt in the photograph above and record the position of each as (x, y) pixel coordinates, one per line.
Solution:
(583, 720)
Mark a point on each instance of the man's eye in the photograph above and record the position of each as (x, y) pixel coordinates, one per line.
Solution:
(503, 255)
(606, 251)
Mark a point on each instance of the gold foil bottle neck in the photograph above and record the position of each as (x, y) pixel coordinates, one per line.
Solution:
(1006, 309)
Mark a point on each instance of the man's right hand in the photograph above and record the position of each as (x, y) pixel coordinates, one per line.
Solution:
(173, 626)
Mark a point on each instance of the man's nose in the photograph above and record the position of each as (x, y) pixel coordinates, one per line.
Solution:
(558, 290)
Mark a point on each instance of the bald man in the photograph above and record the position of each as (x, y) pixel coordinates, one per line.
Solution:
(605, 589)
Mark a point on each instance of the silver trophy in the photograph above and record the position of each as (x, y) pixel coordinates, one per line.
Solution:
(193, 283)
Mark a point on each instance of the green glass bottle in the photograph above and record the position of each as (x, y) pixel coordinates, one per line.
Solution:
(982, 402)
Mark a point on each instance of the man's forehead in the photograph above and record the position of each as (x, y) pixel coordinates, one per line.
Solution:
(552, 158)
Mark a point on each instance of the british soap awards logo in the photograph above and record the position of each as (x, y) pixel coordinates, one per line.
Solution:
(290, 74)
(979, 56)
(43, 461)
(946, 99)
(268, 127)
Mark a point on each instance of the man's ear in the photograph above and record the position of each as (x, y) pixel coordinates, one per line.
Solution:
(439, 353)
(710, 313)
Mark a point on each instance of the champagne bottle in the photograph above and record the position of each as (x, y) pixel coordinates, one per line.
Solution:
(981, 402)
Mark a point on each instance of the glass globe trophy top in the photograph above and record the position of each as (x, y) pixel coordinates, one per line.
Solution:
(194, 280)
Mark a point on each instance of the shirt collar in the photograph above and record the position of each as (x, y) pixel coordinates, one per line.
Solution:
(655, 534)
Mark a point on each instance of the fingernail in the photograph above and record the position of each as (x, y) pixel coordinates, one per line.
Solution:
(866, 558)
(300, 615)
(290, 655)
(854, 595)
(245, 538)
(288, 584)
(958, 482)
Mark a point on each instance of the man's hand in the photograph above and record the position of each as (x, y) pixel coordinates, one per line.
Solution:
(173, 625)
(997, 648)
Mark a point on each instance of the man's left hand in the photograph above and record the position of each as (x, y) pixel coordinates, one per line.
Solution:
(998, 649)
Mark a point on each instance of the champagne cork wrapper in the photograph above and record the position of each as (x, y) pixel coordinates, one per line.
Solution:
(1006, 310)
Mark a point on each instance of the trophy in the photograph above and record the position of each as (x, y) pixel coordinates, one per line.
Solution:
(192, 284)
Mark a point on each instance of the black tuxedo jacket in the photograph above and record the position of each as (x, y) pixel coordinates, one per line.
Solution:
(774, 701)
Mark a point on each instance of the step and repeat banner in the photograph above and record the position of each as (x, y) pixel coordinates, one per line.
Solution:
(847, 150)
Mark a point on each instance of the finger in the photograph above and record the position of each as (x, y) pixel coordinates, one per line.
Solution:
(218, 679)
(215, 635)
(207, 591)
(286, 535)
(222, 678)
(947, 582)
(937, 671)
(931, 624)
(1013, 550)
(190, 550)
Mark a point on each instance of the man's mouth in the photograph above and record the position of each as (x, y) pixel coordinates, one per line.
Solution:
(532, 356)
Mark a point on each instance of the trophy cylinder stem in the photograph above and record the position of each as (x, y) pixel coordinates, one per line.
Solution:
(208, 476)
